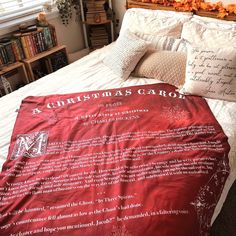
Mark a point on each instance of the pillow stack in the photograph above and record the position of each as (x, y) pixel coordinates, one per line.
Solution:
(196, 54)
(143, 30)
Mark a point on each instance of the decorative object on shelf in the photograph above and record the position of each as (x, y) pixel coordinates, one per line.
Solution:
(65, 8)
(41, 19)
(5, 85)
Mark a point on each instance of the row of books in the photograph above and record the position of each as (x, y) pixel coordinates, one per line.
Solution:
(95, 12)
(10, 51)
(40, 40)
(98, 36)
(26, 45)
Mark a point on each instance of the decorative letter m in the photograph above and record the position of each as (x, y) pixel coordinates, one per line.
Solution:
(30, 145)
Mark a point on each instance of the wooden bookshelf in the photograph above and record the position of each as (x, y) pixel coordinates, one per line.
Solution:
(98, 25)
(46, 59)
(29, 55)
(17, 65)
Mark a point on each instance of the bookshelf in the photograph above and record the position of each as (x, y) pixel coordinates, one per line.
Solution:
(98, 25)
(46, 62)
(28, 55)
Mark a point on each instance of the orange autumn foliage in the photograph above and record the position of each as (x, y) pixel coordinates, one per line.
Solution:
(195, 5)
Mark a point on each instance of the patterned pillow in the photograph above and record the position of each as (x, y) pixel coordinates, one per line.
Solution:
(125, 54)
(161, 42)
(211, 73)
(163, 65)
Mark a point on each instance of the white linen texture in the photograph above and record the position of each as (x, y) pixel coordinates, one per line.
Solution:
(212, 23)
(125, 54)
(154, 22)
(211, 73)
(199, 35)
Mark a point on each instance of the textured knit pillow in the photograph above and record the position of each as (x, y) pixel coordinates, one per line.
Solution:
(211, 73)
(163, 65)
(125, 54)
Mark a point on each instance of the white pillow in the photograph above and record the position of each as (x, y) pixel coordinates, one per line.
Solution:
(214, 23)
(211, 73)
(201, 36)
(161, 42)
(125, 54)
(154, 22)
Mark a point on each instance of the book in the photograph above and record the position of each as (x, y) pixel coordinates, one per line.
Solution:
(30, 28)
(19, 46)
(15, 50)
(47, 37)
(53, 34)
(3, 55)
(29, 46)
(25, 47)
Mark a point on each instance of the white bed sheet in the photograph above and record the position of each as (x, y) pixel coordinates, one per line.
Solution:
(89, 73)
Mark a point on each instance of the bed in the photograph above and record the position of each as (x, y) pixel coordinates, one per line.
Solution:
(120, 142)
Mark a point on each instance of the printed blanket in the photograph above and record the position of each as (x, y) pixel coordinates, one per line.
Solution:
(141, 160)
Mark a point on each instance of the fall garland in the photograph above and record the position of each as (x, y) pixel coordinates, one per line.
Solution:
(195, 5)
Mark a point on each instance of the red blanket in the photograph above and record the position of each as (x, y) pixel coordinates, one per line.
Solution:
(134, 161)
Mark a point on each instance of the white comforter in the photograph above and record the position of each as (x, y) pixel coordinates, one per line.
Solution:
(90, 73)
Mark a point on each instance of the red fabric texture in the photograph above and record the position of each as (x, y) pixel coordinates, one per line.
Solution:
(141, 160)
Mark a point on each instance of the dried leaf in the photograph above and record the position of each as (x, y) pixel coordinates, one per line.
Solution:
(222, 14)
(190, 5)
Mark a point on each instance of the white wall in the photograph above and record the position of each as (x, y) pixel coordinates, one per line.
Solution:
(119, 7)
(70, 35)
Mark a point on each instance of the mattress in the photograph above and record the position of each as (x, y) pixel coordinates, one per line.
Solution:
(89, 73)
